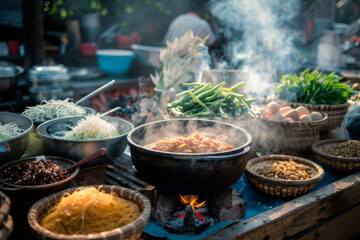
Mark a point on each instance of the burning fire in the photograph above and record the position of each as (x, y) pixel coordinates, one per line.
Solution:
(192, 200)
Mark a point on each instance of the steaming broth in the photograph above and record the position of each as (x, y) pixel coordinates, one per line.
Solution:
(195, 143)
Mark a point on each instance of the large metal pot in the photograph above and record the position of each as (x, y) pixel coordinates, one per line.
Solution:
(189, 173)
(14, 147)
(8, 75)
(78, 149)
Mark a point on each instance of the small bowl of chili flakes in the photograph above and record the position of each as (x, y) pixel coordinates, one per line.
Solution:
(40, 174)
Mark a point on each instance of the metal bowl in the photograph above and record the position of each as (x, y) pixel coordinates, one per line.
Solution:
(87, 109)
(147, 55)
(14, 147)
(38, 189)
(78, 149)
(190, 173)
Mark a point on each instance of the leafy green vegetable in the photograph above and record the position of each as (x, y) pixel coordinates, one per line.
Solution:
(314, 88)
(205, 100)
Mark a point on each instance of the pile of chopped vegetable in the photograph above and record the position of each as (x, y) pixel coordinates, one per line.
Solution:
(206, 100)
(92, 127)
(9, 130)
(53, 109)
(313, 88)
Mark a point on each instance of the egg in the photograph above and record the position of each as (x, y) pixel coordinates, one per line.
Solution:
(303, 110)
(293, 114)
(315, 116)
(276, 117)
(285, 109)
(305, 118)
(273, 107)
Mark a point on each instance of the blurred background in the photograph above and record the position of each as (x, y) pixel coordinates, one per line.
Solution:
(263, 40)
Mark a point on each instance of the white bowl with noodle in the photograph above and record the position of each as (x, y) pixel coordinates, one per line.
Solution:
(131, 230)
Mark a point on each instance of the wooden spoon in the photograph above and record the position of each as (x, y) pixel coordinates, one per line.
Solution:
(98, 153)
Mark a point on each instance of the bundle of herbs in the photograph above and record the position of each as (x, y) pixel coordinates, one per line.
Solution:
(313, 88)
(178, 60)
(206, 100)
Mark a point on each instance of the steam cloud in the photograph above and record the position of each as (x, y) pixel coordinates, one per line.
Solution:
(260, 36)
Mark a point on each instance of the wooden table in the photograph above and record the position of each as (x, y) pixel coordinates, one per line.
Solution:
(332, 212)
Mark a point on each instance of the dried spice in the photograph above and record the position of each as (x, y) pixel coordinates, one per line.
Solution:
(286, 170)
(37, 172)
(350, 148)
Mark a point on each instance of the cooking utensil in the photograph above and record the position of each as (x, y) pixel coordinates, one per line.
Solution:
(130, 231)
(98, 153)
(78, 149)
(95, 92)
(14, 147)
(110, 111)
(189, 173)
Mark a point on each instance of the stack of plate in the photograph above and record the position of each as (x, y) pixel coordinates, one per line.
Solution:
(49, 81)
(50, 75)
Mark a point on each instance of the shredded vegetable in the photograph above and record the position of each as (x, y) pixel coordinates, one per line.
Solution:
(92, 127)
(9, 130)
(53, 109)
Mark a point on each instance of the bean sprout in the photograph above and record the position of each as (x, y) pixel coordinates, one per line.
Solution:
(9, 130)
(53, 109)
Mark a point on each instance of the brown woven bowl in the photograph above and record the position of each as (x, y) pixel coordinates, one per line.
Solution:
(131, 231)
(6, 221)
(293, 136)
(321, 150)
(280, 187)
(336, 113)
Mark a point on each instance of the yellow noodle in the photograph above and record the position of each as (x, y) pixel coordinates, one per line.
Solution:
(89, 210)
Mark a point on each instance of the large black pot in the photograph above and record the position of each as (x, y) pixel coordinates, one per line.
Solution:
(189, 173)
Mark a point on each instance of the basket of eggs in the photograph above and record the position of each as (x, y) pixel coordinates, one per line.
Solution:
(289, 128)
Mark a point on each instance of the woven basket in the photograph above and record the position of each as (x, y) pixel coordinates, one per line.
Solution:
(336, 113)
(281, 187)
(293, 136)
(6, 221)
(343, 164)
(130, 231)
